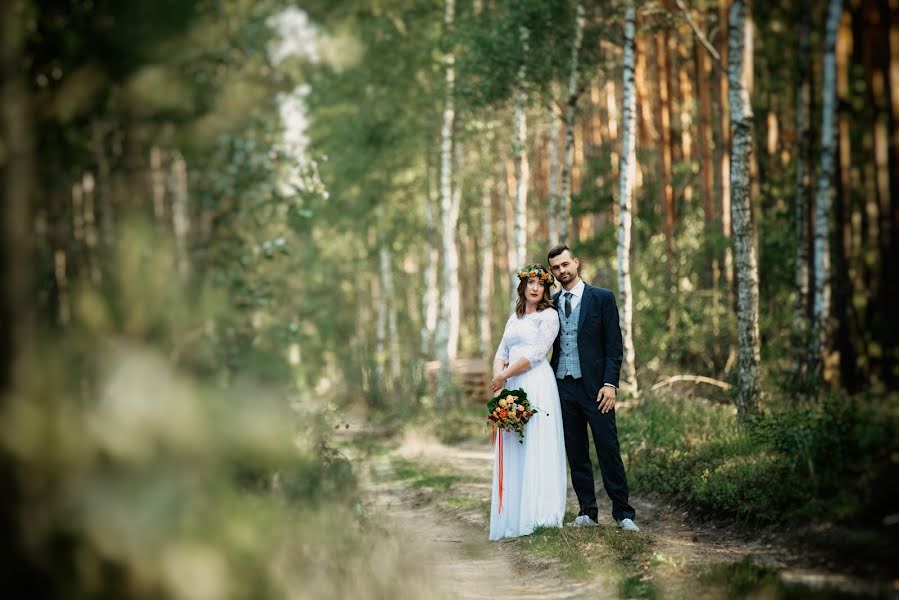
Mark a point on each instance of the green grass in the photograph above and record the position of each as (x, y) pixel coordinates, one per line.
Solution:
(586, 552)
(421, 476)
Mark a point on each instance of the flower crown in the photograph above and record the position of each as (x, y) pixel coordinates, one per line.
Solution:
(541, 275)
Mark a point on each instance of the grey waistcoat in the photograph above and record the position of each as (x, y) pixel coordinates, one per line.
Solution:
(569, 360)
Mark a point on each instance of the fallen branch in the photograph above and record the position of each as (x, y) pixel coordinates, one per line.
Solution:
(694, 378)
(699, 35)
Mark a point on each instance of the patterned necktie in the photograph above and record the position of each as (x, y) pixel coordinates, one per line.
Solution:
(568, 296)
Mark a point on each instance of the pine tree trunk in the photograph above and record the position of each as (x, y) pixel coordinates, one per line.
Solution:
(565, 208)
(447, 341)
(485, 290)
(708, 174)
(820, 338)
(554, 216)
(740, 41)
(627, 171)
(890, 22)
(803, 188)
(726, 225)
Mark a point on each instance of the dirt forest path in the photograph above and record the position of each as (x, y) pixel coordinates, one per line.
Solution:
(454, 546)
(452, 541)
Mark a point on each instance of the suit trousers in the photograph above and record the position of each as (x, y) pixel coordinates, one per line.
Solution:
(579, 409)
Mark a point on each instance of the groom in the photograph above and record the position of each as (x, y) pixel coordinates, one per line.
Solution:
(587, 359)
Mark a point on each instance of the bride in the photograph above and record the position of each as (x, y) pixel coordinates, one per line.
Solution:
(534, 480)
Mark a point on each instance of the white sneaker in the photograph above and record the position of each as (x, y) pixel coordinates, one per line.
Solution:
(628, 525)
(583, 521)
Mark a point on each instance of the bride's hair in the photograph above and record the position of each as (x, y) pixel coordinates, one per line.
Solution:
(545, 302)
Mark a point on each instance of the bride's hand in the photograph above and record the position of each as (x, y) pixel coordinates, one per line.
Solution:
(498, 383)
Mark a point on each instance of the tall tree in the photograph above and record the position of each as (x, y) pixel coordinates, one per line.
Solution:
(802, 197)
(627, 173)
(740, 51)
(430, 297)
(522, 170)
(554, 215)
(485, 289)
(570, 105)
(448, 324)
(819, 342)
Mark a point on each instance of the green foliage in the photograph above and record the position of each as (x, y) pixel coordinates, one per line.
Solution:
(832, 460)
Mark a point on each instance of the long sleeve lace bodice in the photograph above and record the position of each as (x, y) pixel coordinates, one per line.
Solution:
(530, 336)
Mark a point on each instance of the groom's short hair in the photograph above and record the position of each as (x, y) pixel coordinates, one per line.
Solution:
(559, 250)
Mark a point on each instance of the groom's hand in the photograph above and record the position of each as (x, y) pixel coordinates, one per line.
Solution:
(606, 398)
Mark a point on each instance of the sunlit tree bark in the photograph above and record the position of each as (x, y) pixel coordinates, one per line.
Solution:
(553, 217)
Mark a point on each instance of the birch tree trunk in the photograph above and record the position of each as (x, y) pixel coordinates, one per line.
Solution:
(448, 324)
(180, 213)
(627, 172)
(522, 171)
(820, 341)
(388, 304)
(88, 186)
(430, 297)
(565, 206)
(740, 41)
(803, 191)
(485, 290)
(554, 216)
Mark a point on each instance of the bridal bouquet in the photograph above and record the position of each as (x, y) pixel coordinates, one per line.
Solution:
(509, 411)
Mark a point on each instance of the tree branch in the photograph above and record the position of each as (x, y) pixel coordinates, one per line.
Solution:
(699, 34)
(694, 378)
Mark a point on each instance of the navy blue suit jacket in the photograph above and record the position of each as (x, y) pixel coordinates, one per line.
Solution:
(599, 343)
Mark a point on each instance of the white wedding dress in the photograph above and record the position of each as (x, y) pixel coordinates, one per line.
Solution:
(534, 473)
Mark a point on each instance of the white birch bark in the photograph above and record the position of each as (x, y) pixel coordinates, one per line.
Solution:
(380, 331)
(485, 291)
(88, 185)
(803, 185)
(565, 208)
(627, 172)
(522, 171)
(180, 213)
(553, 216)
(388, 303)
(740, 52)
(449, 307)
(824, 197)
(430, 298)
